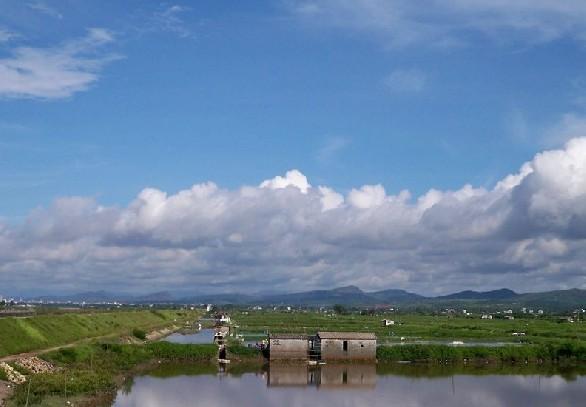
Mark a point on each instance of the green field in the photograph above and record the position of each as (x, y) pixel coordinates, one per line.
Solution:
(412, 327)
(18, 335)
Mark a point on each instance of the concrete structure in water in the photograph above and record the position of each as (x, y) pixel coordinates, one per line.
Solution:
(346, 345)
(289, 347)
(323, 346)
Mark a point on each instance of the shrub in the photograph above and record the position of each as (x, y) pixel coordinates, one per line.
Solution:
(243, 351)
(139, 333)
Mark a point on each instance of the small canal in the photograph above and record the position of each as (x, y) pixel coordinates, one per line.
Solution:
(191, 336)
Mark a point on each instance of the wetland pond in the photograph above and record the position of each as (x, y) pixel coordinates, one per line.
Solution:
(354, 385)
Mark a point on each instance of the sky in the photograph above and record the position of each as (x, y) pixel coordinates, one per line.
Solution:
(229, 146)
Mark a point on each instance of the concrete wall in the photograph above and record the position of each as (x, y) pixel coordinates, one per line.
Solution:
(332, 349)
(288, 349)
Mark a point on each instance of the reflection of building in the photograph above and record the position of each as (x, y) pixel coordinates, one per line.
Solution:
(348, 376)
(347, 345)
(324, 376)
(289, 346)
(288, 375)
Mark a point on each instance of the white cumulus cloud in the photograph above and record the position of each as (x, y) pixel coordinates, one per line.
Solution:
(528, 232)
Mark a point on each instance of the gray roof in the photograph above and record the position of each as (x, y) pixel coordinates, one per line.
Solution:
(347, 335)
(288, 336)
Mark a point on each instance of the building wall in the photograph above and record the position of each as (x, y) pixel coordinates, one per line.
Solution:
(288, 349)
(332, 349)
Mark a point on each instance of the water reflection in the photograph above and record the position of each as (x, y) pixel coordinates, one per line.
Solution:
(352, 385)
(201, 336)
(329, 376)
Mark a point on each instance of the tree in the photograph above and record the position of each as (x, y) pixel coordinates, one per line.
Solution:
(339, 309)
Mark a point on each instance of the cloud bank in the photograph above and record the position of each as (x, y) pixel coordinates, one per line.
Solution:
(528, 232)
(446, 23)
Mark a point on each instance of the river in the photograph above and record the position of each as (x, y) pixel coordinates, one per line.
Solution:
(354, 385)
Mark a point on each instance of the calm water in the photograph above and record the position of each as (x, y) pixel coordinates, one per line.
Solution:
(353, 385)
(203, 336)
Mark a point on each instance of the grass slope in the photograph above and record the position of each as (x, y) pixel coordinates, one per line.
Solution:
(20, 335)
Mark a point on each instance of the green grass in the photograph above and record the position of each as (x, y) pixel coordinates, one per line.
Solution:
(413, 327)
(91, 369)
(567, 352)
(45, 331)
(139, 333)
(243, 351)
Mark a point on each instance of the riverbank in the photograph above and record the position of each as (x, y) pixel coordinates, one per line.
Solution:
(567, 352)
(90, 374)
(94, 371)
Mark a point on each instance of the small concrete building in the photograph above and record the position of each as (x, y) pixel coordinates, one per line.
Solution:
(288, 347)
(388, 322)
(346, 345)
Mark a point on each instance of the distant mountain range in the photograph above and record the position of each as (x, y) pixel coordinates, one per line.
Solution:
(354, 296)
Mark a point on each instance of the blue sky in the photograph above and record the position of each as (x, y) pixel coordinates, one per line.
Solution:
(236, 93)
(101, 99)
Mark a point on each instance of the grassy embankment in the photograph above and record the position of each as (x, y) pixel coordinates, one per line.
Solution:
(94, 371)
(20, 335)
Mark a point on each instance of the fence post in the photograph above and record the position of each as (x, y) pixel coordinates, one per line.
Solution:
(28, 391)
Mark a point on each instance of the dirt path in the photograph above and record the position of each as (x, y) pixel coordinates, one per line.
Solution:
(153, 335)
(6, 388)
(5, 392)
(11, 358)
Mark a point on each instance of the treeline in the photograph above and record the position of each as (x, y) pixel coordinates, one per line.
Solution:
(551, 352)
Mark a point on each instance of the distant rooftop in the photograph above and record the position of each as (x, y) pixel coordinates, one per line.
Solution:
(347, 335)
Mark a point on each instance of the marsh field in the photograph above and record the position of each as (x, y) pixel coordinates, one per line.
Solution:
(100, 367)
(414, 328)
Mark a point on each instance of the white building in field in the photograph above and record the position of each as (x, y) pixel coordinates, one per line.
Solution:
(223, 319)
(388, 322)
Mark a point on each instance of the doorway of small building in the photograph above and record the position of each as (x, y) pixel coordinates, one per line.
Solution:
(345, 346)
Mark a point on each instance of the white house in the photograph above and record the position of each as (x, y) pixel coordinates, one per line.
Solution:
(387, 322)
